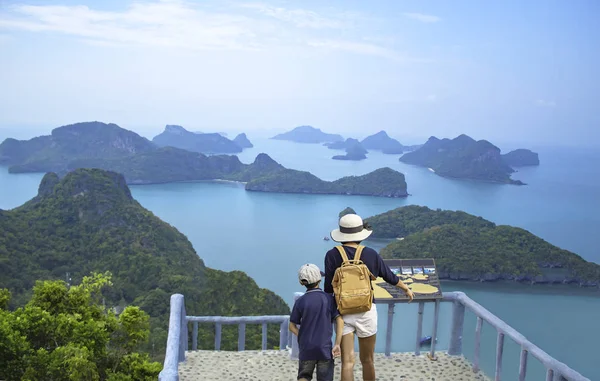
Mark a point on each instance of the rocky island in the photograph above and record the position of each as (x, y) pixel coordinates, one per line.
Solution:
(112, 148)
(308, 134)
(467, 247)
(354, 151)
(382, 142)
(383, 182)
(521, 158)
(462, 158)
(208, 143)
(242, 141)
(88, 222)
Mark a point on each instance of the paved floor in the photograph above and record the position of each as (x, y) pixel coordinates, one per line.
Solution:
(276, 366)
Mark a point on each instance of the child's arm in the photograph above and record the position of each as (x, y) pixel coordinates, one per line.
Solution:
(294, 328)
(339, 330)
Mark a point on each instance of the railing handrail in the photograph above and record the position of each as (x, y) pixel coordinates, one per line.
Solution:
(239, 319)
(177, 340)
(501, 326)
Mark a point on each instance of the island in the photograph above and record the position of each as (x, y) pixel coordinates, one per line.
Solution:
(383, 182)
(141, 162)
(382, 142)
(462, 158)
(467, 247)
(242, 141)
(521, 158)
(209, 143)
(81, 140)
(308, 134)
(347, 210)
(89, 222)
(354, 151)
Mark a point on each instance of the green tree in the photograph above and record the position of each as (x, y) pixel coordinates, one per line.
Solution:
(66, 333)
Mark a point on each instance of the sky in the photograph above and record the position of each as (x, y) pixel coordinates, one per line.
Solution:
(505, 71)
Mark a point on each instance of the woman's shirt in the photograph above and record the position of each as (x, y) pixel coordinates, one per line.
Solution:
(369, 257)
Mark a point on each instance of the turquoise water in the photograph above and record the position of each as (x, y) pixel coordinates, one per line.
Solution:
(270, 235)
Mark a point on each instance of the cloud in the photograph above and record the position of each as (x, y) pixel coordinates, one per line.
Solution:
(364, 49)
(209, 25)
(423, 17)
(545, 103)
(301, 18)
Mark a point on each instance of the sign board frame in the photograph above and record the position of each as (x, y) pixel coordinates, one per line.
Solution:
(407, 269)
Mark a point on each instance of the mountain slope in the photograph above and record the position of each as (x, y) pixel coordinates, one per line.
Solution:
(88, 221)
(67, 143)
(382, 142)
(179, 137)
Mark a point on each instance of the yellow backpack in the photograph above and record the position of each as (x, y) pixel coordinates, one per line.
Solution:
(352, 284)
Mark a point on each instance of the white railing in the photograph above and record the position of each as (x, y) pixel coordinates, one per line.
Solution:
(177, 342)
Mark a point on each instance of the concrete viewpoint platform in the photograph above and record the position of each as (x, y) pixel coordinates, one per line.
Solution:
(277, 366)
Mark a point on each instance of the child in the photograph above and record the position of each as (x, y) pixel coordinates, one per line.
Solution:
(315, 311)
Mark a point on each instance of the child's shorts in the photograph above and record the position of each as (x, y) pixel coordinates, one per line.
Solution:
(325, 370)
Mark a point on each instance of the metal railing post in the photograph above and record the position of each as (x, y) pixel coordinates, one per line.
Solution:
(264, 336)
(478, 328)
(419, 328)
(436, 317)
(171, 364)
(241, 336)
(390, 327)
(458, 321)
(183, 341)
(283, 335)
(523, 365)
(217, 336)
(195, 336)
(295, 349)
(499, 354)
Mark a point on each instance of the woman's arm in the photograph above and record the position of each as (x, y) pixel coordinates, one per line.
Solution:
(339, 331)
(329, 272)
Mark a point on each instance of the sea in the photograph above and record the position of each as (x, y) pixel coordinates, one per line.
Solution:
(269, 236)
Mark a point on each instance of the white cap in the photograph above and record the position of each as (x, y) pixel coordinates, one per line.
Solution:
(309, 274)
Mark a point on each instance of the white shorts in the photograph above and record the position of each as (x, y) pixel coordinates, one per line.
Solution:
(363, 323)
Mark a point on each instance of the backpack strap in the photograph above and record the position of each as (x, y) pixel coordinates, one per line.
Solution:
(359, 250)
(343, 253)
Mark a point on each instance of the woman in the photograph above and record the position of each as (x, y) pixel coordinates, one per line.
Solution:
(350, 233)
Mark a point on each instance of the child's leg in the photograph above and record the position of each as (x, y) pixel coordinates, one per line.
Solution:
(325, 370)
(306, 370)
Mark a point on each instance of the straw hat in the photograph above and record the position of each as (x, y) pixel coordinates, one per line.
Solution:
(351, 229)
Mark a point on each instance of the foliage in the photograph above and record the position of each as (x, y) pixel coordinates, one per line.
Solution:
(88, 222)
(479, 251)
(401, 222)
(65, 333)
(462, 157)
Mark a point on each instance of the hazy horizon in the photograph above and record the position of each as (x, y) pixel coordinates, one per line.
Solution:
(511, 72)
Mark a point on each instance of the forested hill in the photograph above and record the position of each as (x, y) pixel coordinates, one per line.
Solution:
(88, 221)
(471, 248)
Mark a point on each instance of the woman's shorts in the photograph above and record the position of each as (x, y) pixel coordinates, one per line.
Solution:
(364, 323)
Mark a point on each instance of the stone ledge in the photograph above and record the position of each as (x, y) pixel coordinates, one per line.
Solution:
(276, 366)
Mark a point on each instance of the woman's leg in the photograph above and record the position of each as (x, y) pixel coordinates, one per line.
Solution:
(348, 356)
(366, 352)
